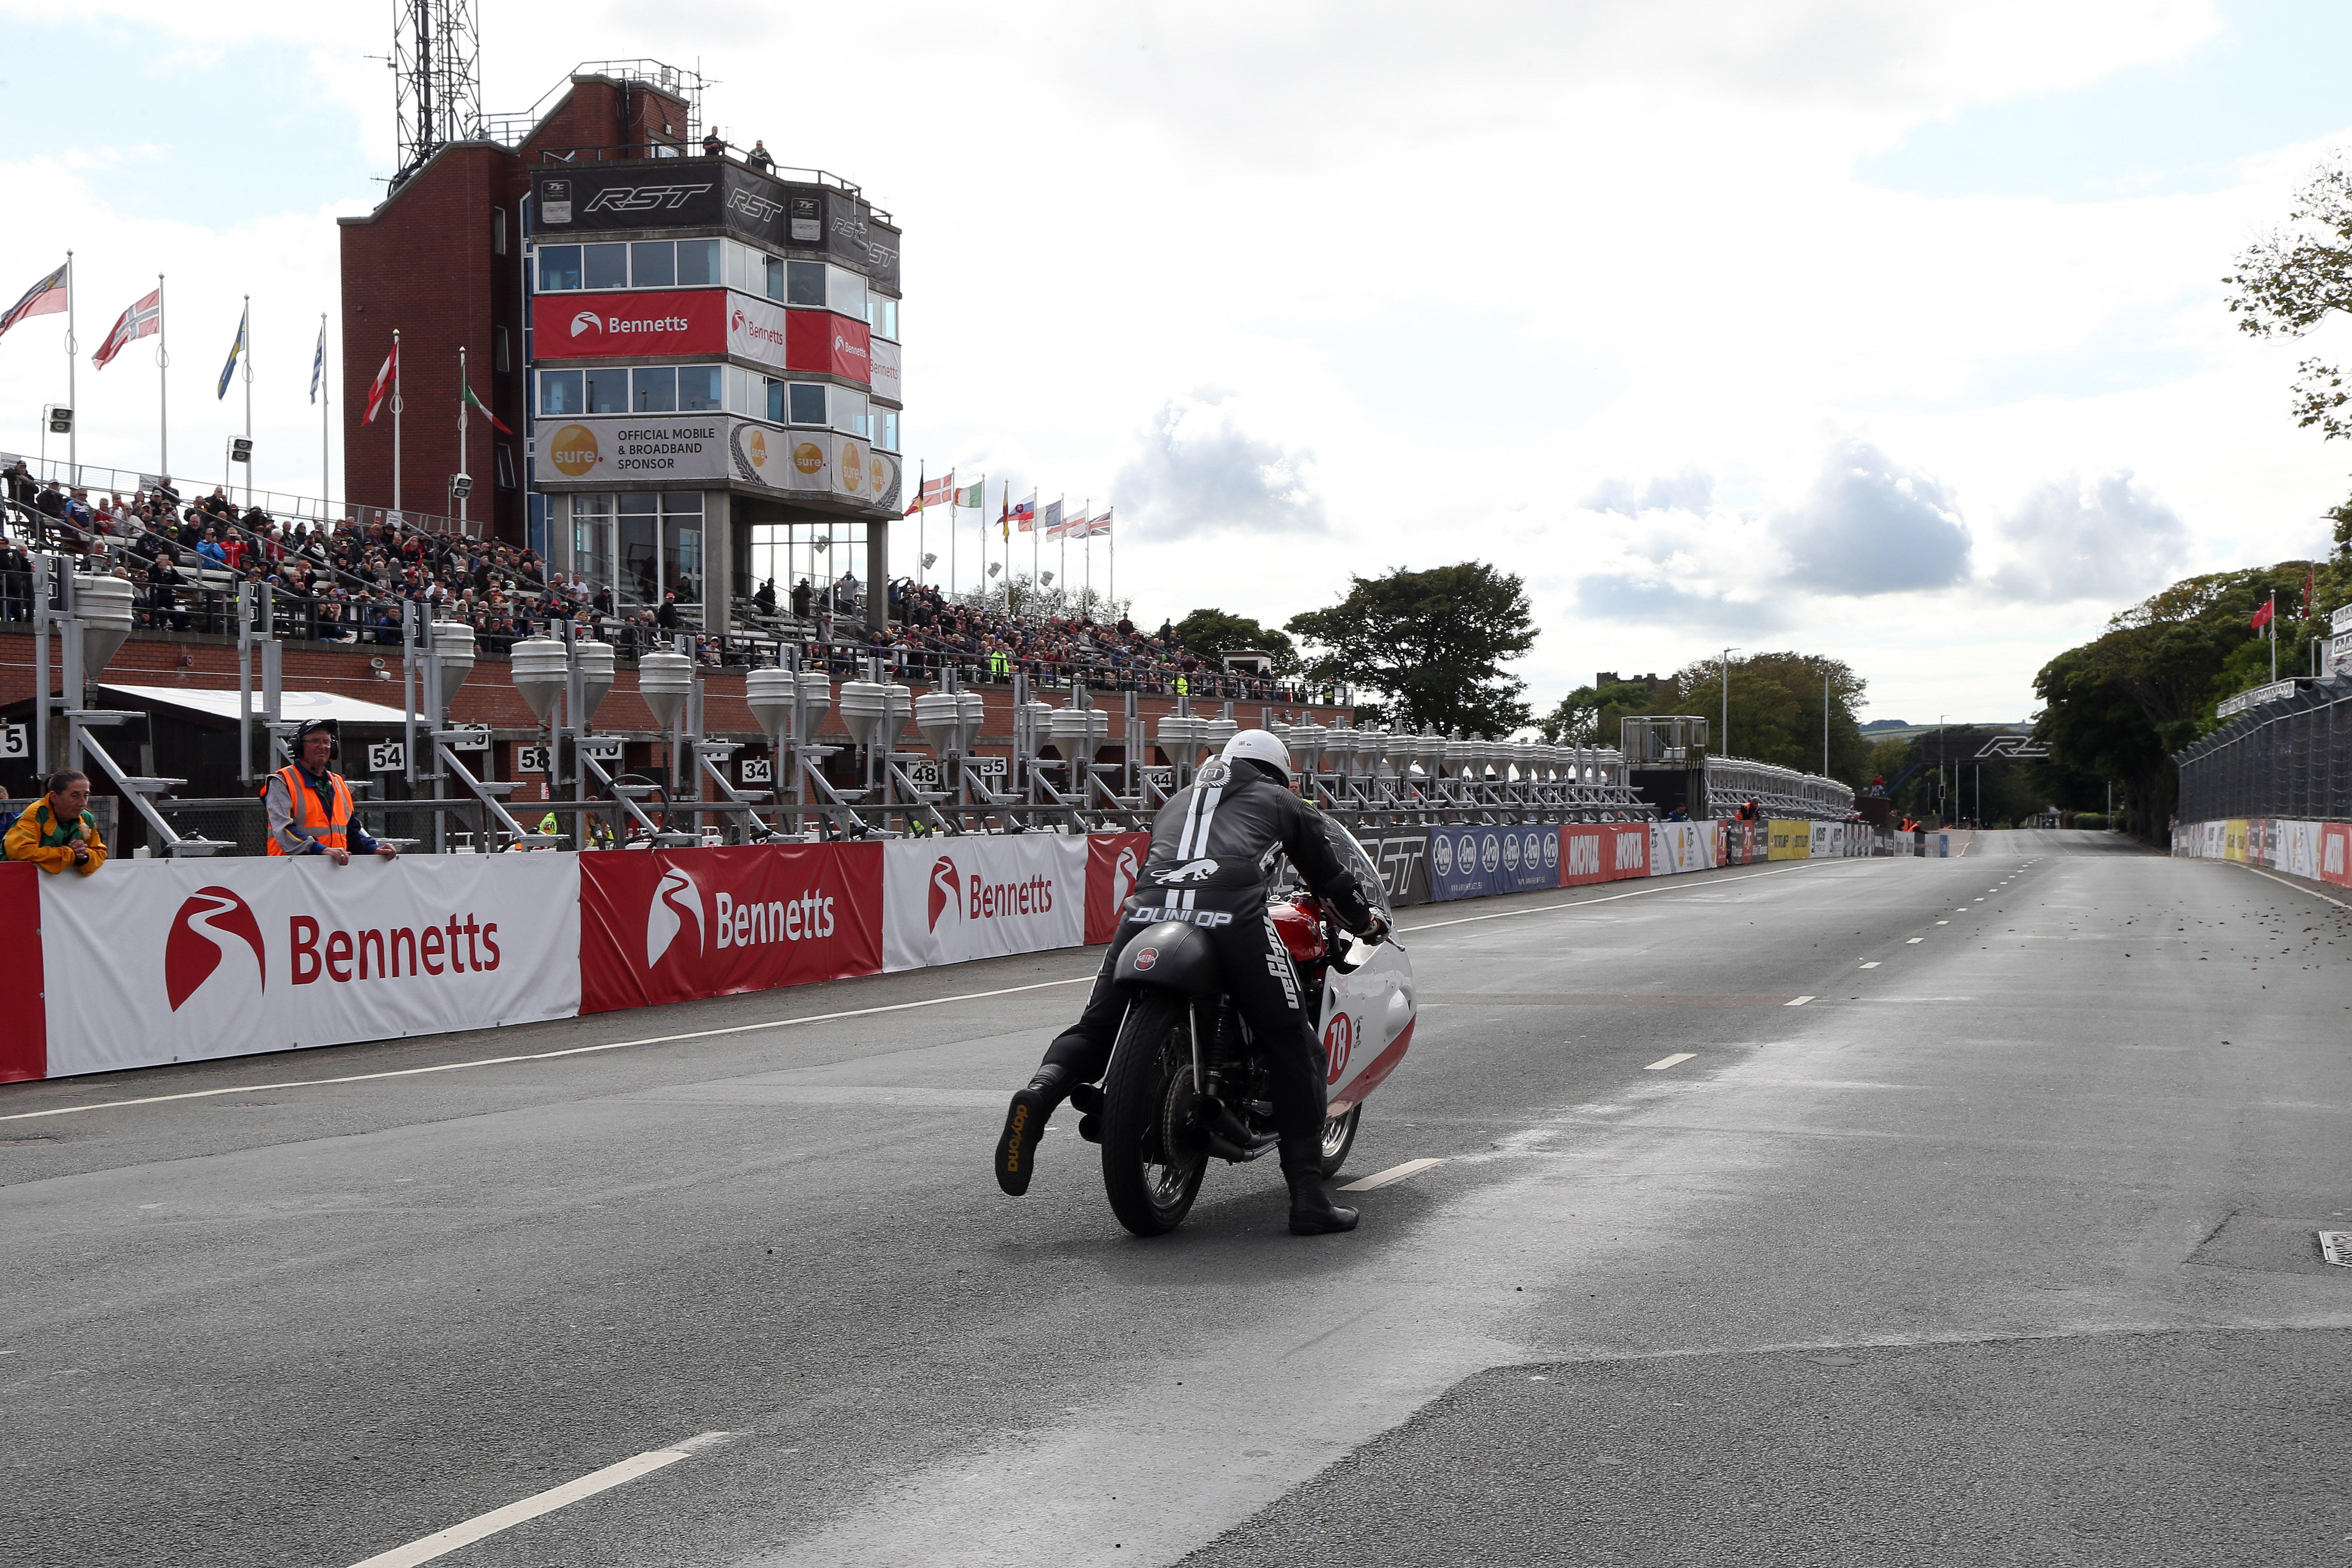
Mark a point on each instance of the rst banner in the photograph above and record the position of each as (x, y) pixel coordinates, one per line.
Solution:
(164, 960)
(948, 900)
(1402, 858)
(1479, 862)
(694, 194)
(674, 925)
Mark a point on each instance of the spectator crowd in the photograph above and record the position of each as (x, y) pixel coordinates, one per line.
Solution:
(347, 581)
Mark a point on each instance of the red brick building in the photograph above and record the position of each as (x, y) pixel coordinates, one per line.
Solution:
(698, 359)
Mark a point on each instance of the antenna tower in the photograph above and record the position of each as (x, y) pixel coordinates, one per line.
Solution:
(436, 45)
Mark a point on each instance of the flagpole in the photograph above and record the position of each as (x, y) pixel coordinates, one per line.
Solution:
(246, 326)
(324, 398)
(73, 431)
(922, 479)
(162, 388)
(395, 420)
(1111, 553)
(2272, 627)
(462, 422)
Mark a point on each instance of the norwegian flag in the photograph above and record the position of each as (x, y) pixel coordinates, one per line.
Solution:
(381, 387)
(143, 319)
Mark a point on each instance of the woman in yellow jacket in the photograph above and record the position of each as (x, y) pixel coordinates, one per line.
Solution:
(58, 830)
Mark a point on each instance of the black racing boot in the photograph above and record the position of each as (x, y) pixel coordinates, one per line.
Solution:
(1312, 1212)
(1024, 1124)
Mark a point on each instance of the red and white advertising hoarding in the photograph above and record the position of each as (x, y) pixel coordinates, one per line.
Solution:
(1114, 861)
(613, 326)
(164, 961)
(887, 381)
(833, 345)
(674, 925)
(945, 901)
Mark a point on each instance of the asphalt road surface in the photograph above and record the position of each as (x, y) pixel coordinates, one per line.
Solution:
(1998, 1248)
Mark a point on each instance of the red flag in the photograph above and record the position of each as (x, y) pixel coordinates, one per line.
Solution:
(143, 319)
(382, 386)
(2263, 616)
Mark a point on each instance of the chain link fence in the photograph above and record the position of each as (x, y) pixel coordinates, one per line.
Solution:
(2290, 757)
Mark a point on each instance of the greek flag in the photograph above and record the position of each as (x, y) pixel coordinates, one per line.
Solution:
(319, 362)
(235, 349)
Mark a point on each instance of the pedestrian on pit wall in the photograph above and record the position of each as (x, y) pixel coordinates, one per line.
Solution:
(759, 157)
(310, 806)
(58, 830)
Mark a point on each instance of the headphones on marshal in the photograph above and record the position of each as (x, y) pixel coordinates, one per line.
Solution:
(334, 739)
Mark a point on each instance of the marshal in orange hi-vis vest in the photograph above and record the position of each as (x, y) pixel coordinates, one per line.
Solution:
(304, 818)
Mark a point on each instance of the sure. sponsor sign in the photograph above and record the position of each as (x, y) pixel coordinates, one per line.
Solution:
(182, 959)
(608, 326)
(676, 924)
(715, 447)
(946, 901)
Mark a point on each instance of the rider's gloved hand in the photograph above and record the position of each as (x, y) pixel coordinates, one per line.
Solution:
(1378, 931)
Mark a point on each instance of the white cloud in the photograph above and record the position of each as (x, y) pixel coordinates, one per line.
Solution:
(2104, 538)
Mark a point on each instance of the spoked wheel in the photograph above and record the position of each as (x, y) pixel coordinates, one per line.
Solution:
(1152, 1158)
(1339, 1137)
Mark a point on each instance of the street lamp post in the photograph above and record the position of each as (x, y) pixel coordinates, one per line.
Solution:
(1723, 740)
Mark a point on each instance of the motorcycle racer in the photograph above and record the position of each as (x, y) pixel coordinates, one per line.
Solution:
(1214, 848)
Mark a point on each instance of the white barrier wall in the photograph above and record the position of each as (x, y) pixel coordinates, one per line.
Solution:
(164, 961)
(1677, 847)
(946, 901)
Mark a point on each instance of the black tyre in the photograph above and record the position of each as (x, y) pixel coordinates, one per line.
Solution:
(1339, 1137)
(1153, 1160)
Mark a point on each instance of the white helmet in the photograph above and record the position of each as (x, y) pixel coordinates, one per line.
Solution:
(1258, 746)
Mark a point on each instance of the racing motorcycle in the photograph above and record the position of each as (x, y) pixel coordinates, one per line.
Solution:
(1186, 1082)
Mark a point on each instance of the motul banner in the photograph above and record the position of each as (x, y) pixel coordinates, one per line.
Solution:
(676, 924)
(1114, 860)
(1586, 855)
(1628, 854)
(607, 326)
(165, 961)
(945, 901)
(1479, 862)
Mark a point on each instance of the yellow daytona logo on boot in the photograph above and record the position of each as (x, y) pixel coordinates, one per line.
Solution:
(1012, 1149)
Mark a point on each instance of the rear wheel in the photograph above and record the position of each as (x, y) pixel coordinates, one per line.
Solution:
(1152, 1157)
(1339, 1137)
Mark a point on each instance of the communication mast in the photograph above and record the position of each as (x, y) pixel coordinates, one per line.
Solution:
(435, 48)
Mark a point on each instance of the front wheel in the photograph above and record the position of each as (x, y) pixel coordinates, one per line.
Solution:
(1152, 1155)
(1339, 1137)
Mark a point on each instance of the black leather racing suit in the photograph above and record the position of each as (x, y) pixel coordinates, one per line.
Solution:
(1214, 848)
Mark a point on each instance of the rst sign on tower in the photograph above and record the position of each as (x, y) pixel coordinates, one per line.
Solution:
(706, 193)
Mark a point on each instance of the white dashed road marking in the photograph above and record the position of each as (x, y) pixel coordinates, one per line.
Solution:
(1796, 1001)
(1377, 1179)
(441, 1542)
(1665, 1062)
(1872, 964)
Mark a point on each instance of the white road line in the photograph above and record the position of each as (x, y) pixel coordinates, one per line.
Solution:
(1662, 1063)
(1379, 1179)
(1796, 1001)
(441, 1542)
(2298, 887)
(550, 1056)
(1606, 898)
(1915, 939)
(1872, 964)
(1943, 922)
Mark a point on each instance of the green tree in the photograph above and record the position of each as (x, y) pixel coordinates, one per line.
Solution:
(1777, 709)
(1212, 634)
(1587, 716)
(1432, 642)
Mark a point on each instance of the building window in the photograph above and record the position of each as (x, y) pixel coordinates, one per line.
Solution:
(850, 413)
(653, 263)
(498, 355)
(497, 231)
(656, 389)
(506, 466)
(608, 390)
(882, 315)
(886, 429)
(558, 268)
(560, 394)
(807, 404)
(697, 389)
(845, 292)
(804, 283)
(698, 264)
(605, 267)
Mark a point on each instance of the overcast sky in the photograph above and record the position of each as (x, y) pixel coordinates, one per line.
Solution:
(1892, 333)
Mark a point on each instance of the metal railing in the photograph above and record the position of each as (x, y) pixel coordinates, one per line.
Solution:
(283, 506)
(2289, 757)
